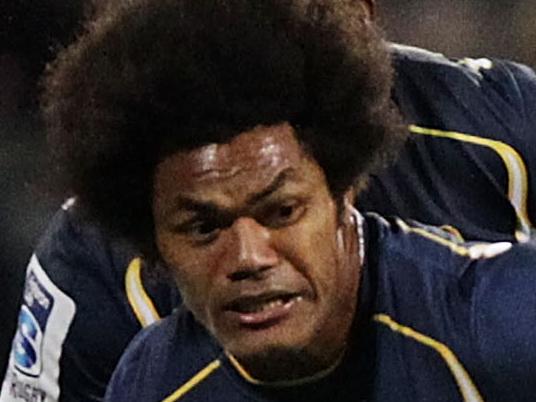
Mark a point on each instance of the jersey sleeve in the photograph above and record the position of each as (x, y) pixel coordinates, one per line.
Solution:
(525, 80)
(78, 314)
(50, 357)
(45, 317)
(515, 84)
(504, 318)
(470, 159)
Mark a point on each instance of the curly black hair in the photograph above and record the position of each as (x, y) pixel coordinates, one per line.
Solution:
(150, 77)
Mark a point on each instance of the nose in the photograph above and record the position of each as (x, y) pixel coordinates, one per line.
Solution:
(250, 250)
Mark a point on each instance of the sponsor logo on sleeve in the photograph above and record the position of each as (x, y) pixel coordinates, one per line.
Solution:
(45, 316)
(20, 390)
(33, 318)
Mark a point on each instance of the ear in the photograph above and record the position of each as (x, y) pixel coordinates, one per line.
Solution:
(349, 197)
(369, 6)
(348, 234)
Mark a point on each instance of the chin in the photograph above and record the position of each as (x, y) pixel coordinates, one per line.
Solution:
(271, 343)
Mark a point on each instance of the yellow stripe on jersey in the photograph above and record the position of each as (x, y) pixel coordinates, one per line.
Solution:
(138, 298)
(475, 251)
(453, 246)
(242, 371)
(515, 167)
(465, 384)
(453, 231)
(194, 381)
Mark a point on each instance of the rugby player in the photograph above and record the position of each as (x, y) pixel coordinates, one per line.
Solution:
(464, 163)
(244, 164)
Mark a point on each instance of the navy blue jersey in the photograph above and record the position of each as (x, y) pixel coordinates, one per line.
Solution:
(85, 297)
(471, 156)
(438, 320)
(467, 163)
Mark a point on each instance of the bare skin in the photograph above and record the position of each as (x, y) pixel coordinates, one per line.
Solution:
(255, 241)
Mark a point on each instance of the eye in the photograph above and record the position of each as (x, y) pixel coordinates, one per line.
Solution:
(284, 214)
(200, 231)
(286, 211)
(204, 228)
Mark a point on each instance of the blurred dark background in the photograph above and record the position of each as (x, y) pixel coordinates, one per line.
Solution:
(31, 31)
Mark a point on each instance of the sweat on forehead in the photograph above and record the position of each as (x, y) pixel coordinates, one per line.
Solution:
(249, 168)
(249, 149)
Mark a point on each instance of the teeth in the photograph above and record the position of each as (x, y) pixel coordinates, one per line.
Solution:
(257, 308)
(272, 304)
(265, 306)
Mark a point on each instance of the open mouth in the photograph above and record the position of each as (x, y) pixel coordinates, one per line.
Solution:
(264, 309)
(261, 303)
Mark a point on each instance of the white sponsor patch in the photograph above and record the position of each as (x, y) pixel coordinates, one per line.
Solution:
(44, 319)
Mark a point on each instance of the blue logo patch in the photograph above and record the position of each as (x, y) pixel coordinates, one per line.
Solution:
(33, 317)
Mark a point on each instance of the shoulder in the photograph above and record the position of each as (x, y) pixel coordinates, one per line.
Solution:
(177, 331)
(84, 260)
(478, 71)
(443, 250)
(432, 248)
(479, 85)
(81, 287)
(428, 265)
(59, 318)
(154, 340)
(473, 300)
(504, 313)
(72, 241)
(81, 260)
(495, 282)
(505, 295)
(162, 358)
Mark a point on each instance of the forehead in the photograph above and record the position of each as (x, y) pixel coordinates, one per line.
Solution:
(261, 147)
(246, 163)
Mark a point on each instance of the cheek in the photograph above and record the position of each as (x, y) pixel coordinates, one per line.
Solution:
(311, 247)
(187, 268)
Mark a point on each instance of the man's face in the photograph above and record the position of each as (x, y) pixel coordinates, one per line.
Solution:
(251, 233)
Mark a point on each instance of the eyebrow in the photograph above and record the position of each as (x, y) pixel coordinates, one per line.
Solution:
(209, 207)
(190, 204)
(275, 185)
